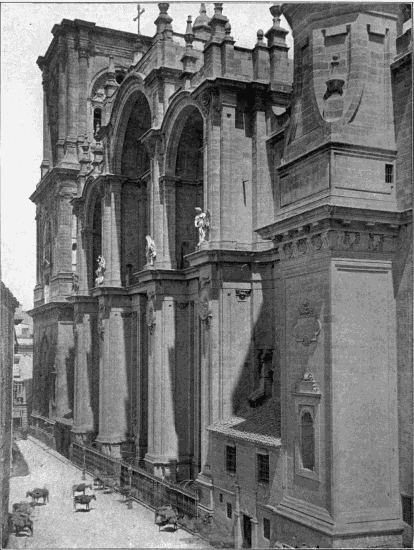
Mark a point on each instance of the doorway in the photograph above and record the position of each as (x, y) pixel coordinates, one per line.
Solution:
(247, 532)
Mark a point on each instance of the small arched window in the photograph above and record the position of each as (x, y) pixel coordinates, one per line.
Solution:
(307, 441)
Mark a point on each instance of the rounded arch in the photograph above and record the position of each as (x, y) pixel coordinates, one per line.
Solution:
(184, 162)
(130, 94)
(179, 112)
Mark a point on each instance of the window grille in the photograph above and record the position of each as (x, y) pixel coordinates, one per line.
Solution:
(229, 510)
(389, 173)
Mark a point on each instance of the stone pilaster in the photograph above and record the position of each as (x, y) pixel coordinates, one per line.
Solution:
(162, 454)
(62, 98)
(70, 159)
(47, 152)
(83, 55)
(168, 190)
(111, 229)
(113, 329)
(86, 368)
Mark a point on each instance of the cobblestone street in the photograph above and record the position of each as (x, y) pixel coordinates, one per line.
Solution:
(108, 524)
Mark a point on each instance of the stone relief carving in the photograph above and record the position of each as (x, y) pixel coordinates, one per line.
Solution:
(375, 242)
(151, 311)
(150, 251)
(75, 282)
(101, 323)
(202, 223)
(307, 326)
(241, 294)
(100, 272)
(204, 300)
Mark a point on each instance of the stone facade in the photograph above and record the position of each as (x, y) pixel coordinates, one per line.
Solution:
(8, 304)
(297, 289)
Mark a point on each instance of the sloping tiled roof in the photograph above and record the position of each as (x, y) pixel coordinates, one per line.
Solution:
(261, 426)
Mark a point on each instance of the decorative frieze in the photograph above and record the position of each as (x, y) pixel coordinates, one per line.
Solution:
(293, 244)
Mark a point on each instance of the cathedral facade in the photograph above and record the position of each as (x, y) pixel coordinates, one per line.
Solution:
(223, 235)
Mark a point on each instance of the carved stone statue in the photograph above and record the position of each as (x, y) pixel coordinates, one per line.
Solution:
(150, 251)
(100, 272)
(202, 222)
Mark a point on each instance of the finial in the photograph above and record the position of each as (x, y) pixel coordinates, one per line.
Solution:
(163, 7)
(276, 12)
(218, 8)
(227, 28)
(189, 29)
(260, 36)
(203, 8)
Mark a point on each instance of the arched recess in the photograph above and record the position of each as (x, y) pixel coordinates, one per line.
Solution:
(131, 160)
(185, 161)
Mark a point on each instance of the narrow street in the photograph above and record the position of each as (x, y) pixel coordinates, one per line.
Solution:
(108, 524)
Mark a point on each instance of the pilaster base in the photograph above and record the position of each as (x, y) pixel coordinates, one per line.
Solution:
(82, 435)
(111, 446)
(162, 467)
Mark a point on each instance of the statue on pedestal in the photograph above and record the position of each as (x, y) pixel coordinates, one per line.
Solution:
(100, 272)
(202, 222)
(150, 251)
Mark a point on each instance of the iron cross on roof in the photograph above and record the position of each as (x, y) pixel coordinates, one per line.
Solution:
(138, 17)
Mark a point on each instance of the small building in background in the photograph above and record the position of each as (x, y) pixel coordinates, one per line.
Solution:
(8, 304)
(245, 462)
(22, 371)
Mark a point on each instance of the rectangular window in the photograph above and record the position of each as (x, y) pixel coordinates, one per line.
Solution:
(266, 528)
(221, 497)
(263, 468)
(231, 459)
(229, 510)
(407, 509)
(389, 173)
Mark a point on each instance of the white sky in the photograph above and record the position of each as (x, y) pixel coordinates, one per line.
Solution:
(26, 34)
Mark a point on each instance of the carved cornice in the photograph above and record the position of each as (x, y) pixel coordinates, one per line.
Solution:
(336, 229)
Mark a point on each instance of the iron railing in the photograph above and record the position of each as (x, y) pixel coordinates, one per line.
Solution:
(146, 488)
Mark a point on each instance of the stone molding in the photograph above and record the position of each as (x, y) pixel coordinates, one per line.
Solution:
(339, 236)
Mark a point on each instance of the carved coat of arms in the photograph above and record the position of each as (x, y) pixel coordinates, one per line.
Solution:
(307, 326)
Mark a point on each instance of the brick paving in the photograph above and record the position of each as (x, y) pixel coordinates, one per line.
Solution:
(109, 524)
